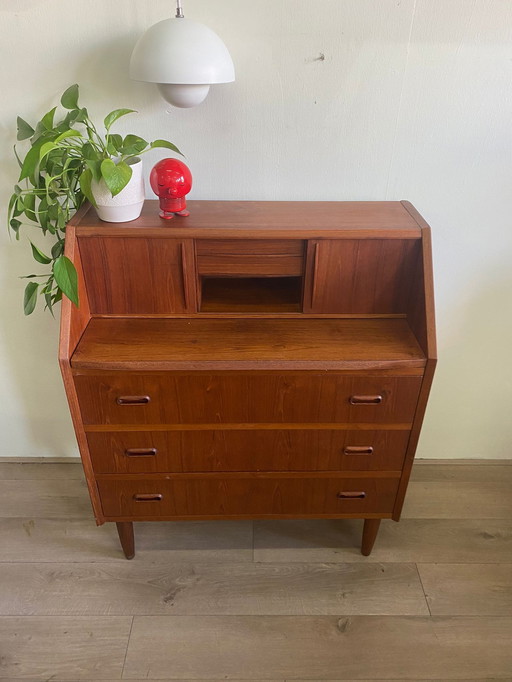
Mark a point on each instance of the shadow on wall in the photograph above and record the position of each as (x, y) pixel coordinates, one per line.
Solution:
(469, 395)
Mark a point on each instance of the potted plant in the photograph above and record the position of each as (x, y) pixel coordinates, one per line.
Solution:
(68, 161)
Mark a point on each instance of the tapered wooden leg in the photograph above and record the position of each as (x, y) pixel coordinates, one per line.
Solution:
(125, 531)
(370, 530)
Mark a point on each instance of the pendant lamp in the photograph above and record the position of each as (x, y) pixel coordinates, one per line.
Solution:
(183, 58)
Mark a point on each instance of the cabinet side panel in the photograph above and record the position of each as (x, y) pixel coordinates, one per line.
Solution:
(420, 308)
(415, 435)
(73, 322)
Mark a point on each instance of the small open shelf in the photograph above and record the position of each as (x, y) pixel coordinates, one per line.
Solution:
(251, 294)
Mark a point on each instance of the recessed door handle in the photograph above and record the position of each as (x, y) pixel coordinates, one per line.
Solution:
(140, 452)
(358, 450)
(349, 495)
(147, 497)
(365, 399)
(133, 400)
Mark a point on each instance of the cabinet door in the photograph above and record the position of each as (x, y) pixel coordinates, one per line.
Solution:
(136, 275)
(359, 276)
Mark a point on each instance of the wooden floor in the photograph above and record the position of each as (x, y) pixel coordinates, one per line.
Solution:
(289, 600)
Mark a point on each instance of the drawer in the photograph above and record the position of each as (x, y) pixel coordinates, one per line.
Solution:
(250, 257)
(250, 495)
(130, 398)
(247, 450)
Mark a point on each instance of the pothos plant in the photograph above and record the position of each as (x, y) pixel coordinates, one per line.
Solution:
(63, 158)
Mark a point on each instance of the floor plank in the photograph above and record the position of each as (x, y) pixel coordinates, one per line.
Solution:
(458, 500)
(63, 648)
(459, 473)
(468, 590)
(318, 647)
(411, 540)
(13, 471)
(41, 540)
(46, 498)
(209, 589)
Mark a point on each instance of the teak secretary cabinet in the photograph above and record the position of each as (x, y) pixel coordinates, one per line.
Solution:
(254, 360)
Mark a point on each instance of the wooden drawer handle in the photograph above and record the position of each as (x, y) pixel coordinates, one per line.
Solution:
(147, 497)
(352, 495)
(365, 399)
(140, 452)
(358, 450)
(133, 400)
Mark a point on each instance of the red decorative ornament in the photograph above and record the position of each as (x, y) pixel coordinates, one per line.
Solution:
(171, 181)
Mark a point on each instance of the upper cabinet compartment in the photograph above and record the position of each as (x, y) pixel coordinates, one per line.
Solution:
(250, 275)
(138, 275)
(360, 276)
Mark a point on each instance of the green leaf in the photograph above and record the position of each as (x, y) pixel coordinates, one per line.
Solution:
(133, 144)
(39, 256)
(85, 185)
(68, 133)
(47, 120)
(30, 297)
(24, 129)
(15, 226)
(46, 148)
(115, 142)
(89, 152)
(166, 145)
(66, 278)
(49, 301)
(58, 248)
(82, 115)
(116, 176)
(69, 99)
(95, 168)
(114, 115)
(29, 204)
(31, 161)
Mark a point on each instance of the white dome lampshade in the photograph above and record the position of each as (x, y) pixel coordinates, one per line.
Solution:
(183, 58)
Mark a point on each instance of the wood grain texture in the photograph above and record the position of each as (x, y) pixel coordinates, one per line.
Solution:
(45, 498)
(272, 219)
(265, 450)
(22, 470)
(68, 647)
(258, 257)
(498, 471)
(137, 275)
(359, 276)
(411, 540)
(181, 344)
(318, 647)
(459, 499)
(106, 589)
(244, 398)
(34, 539)
(244, 495)
(468, 590)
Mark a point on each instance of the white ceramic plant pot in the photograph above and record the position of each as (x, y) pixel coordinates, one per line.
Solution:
(125, 206)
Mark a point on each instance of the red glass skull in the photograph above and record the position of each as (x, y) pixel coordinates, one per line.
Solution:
(171, 181)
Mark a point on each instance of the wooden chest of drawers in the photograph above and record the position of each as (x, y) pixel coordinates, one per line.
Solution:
(255, 360)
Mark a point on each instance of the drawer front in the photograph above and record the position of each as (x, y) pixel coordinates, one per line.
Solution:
(246, 450)
(257, 257)
(245, 496)
(120, 398)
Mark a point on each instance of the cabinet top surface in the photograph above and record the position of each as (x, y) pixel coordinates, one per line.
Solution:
(249, 219)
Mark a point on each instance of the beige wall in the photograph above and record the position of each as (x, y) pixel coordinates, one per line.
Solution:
(412, 101)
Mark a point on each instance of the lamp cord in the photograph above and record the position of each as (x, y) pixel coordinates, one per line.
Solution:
(179, 10)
